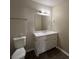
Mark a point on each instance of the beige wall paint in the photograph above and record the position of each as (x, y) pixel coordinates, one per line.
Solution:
(25, 27)
(60, 23)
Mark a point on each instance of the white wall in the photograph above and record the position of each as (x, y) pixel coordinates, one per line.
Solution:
(60, 21)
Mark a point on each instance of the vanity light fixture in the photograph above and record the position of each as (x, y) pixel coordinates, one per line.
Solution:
(42, 13)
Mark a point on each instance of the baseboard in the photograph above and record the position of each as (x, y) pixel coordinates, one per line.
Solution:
(63, 51)
(30, 50)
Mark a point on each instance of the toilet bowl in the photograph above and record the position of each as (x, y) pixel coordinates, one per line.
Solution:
(19, 54)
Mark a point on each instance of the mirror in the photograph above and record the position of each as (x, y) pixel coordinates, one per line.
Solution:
(42, 22)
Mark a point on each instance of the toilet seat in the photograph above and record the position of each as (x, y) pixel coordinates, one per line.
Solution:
(19, 54)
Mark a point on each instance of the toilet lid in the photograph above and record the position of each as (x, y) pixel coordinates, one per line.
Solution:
(19, 53)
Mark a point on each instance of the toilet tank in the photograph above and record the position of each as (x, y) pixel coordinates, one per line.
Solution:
(19, 42)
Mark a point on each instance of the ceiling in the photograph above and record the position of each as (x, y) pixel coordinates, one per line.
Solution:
(34, 4)
(49, 2)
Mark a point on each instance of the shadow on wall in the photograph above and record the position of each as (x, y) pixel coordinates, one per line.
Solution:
(58, 41)
(12, 48)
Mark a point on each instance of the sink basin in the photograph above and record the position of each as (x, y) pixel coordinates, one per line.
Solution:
(43, 33)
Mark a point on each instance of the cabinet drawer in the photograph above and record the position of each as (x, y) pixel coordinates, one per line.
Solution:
(41, 38)
(49, 38)
(52, 36)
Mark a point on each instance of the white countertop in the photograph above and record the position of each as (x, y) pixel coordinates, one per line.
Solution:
(43, 33)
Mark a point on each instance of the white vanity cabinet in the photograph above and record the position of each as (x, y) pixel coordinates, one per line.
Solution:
(45, 42)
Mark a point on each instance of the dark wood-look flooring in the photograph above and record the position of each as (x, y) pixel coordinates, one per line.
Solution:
(51, 54)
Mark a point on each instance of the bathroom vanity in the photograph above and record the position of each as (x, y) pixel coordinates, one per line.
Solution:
(44, 40)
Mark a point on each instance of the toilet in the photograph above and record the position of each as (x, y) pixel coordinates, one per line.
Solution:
(19, 43)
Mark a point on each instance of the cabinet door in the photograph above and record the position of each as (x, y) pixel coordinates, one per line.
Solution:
(40, 45)
(51, 42)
